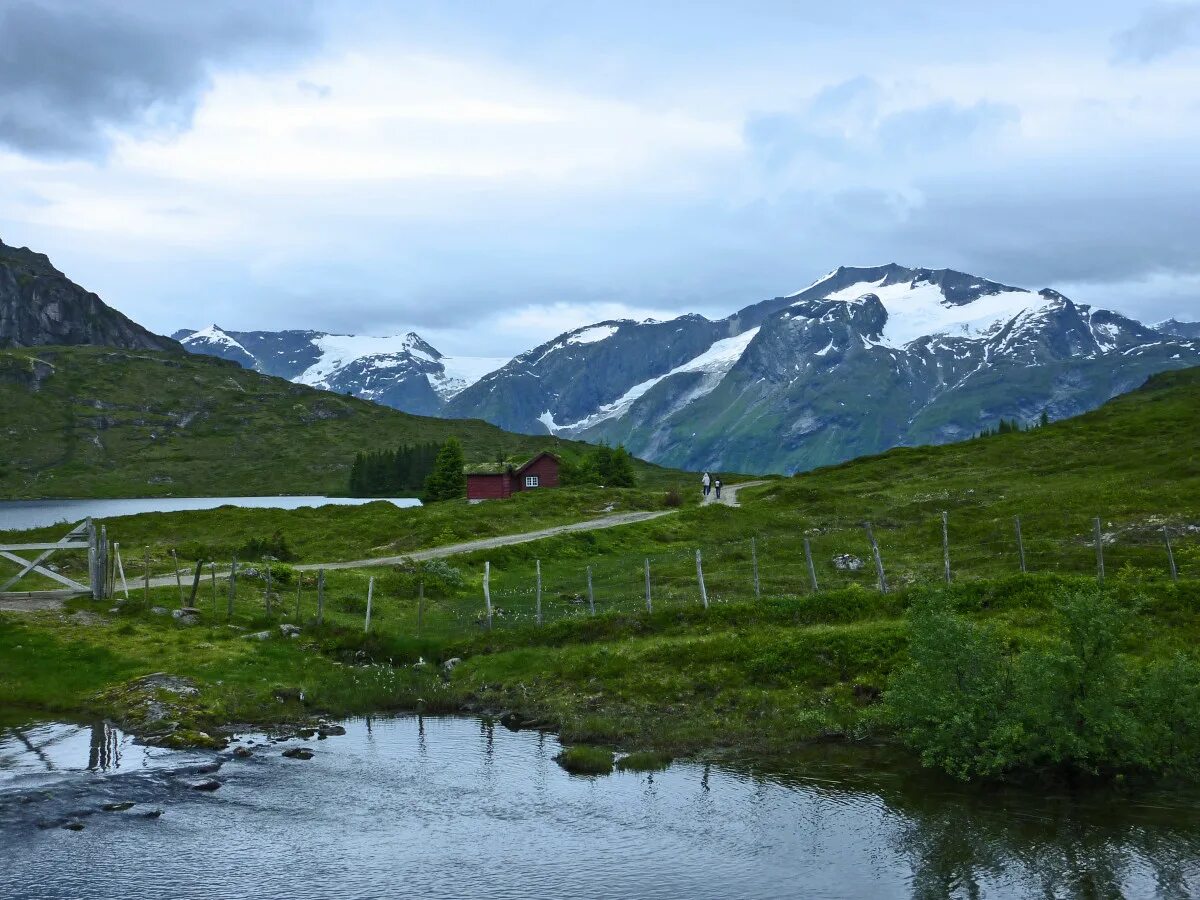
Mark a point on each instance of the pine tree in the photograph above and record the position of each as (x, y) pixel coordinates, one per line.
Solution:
(447, 480)
(1044, 420)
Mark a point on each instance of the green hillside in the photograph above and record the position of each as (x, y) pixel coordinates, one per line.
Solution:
(104, 422)
(1000, 672)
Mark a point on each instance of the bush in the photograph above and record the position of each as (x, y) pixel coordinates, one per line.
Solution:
(275, 546)
(439, 577)
(584, 760)
(975, 706)
(672, 498)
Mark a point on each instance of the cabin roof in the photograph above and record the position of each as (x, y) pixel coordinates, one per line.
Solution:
(516, 465)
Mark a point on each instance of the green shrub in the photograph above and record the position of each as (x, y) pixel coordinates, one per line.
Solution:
(975, 705)
(585, 760)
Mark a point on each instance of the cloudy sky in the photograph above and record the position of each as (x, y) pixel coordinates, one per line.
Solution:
(492, 172)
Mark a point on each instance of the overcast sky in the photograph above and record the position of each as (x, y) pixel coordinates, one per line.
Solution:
(492, 172)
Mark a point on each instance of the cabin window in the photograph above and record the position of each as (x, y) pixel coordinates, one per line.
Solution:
(531, 481)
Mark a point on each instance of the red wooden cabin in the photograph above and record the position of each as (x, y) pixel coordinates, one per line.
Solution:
(499, 480)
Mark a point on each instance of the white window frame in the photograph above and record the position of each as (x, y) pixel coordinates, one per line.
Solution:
(532, 481)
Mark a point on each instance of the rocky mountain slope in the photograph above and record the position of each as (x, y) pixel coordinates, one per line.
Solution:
(40, 306)
(862, 360)
(404, 372)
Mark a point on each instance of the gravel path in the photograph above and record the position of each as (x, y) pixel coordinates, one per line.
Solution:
(728, 498)
(729, 493)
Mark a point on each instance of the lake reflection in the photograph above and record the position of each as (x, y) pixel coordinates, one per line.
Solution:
(457, 808)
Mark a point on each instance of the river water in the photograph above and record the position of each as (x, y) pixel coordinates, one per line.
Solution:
(456, 808)
(22, 514)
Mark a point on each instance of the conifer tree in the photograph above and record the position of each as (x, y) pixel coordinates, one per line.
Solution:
(447, 481)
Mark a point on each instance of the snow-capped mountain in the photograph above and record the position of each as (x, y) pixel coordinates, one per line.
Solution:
(404, 371)
(864, 359)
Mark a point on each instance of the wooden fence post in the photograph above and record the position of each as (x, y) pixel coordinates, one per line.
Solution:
(538, 565)
(212, 574)
(946, 544)
(102, 550)
(178, 580)
(591, 594)
(1020, 543)
(754, 567)
(420, 605)
(93, 562)
(878, 559)
(121, 570)
(147, 597)
(232, 589)
(487, 591)
(269, 587)
(196, 582)
(370, 596)
(812, 570)
(700, 578)
(299, 585)
(1170, 555)
(1099, 549)
(649, 605)
(320, 596)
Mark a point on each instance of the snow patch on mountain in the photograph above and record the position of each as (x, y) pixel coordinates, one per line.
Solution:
(920, 309)
(714, 363)
(460, 372)
(338, 350)
(213, 335)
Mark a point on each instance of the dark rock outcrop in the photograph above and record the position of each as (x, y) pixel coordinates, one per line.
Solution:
(40, 306)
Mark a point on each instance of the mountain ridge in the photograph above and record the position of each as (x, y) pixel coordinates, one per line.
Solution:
(40, 306)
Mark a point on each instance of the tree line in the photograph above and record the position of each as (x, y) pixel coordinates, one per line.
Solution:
(1012, 426)
(393, 473)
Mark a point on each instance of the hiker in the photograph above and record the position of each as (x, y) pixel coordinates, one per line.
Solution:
(717, 484)
(707, 482)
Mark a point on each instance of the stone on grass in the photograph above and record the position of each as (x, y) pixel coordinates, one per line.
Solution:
(847, 562)
(159, 611)
(290, 631)
(257, 636)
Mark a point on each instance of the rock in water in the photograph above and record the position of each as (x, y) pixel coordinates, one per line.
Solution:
(117, 807)
(208, 784)
(298, 753)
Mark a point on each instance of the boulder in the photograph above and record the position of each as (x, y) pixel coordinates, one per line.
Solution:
(208, 784)
(257, 636)
(847, 562)
(241, 752)
(159, 611)
(448, 665)
(187, 615)
(290, 631)
(298, 753)
(325, 730)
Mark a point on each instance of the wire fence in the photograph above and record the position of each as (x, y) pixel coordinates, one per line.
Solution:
(520, 590)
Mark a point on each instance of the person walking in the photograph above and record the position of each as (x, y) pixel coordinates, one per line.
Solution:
(717, 485)
(706, 482)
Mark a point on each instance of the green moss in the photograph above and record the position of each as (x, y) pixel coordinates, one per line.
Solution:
(585, 760)
(644, 761)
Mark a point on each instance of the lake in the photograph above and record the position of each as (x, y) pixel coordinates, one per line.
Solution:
(454, 807)
(22, 514)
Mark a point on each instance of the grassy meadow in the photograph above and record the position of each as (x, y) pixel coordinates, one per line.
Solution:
(754, 671)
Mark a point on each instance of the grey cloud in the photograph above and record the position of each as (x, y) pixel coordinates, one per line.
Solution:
(944, 124)
(70, 72)
(842, 123)
(1161, 30)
